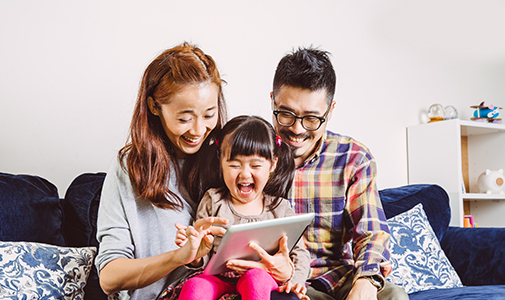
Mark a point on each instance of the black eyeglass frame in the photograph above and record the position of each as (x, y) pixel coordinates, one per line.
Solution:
(321, 119)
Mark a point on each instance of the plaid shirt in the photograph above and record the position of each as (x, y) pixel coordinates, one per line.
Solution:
(349, 232)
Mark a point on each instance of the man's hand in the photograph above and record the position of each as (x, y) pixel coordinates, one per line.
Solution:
(363, 289)
(278, 265)
(298, 289)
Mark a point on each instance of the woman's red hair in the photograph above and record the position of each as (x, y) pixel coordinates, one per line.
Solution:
(149, 154)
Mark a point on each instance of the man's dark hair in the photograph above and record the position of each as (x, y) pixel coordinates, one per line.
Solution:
(306, 68)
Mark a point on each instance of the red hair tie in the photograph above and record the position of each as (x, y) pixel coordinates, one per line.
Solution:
(217, 143)
(278, 140)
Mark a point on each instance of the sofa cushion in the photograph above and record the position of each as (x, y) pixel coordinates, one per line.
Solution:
(81, 209)
(433, 197)
(30, 210)
(419, 263)
(487, 292)
(42, 271)
(477, 254)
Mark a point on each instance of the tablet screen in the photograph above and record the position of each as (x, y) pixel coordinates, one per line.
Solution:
(235, 243)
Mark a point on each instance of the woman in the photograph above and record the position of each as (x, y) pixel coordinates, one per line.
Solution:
(179, 107)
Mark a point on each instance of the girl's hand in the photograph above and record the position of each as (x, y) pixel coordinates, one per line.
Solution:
(278, 265)
(199, 238)
(181, 238)
(298, 289)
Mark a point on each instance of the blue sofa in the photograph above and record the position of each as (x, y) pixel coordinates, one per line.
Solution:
(477, 254)
(31, 210)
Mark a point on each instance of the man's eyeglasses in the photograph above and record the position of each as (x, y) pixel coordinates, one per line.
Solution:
(309, 122)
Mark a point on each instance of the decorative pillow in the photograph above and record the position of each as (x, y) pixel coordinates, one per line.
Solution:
(41, 271)
(419, 263)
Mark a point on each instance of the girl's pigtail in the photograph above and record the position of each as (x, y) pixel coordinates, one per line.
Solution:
(282, 178)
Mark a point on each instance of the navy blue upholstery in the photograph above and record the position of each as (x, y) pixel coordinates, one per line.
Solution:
(434, 199)
(477, 254)
(483, 292)
(30, 210)
(79, 227)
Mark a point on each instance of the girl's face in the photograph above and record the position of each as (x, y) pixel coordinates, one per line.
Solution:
(245, 177)
(189, 116)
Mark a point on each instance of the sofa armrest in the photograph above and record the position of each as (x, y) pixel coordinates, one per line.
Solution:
(477, 254)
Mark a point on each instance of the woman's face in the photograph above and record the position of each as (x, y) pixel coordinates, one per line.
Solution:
(189, 116)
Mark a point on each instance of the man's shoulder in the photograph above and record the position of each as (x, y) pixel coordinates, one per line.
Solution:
(342, 143)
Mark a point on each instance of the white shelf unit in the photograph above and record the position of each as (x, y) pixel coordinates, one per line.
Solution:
(453, 154)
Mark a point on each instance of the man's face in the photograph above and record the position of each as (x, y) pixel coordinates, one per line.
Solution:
(301, 102)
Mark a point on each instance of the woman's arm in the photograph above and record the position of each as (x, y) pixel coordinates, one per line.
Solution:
(127, 274)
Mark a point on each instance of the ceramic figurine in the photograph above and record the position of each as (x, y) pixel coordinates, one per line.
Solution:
(492, 182)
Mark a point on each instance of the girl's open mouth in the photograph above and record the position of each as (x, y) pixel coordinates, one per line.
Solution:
(246, 188)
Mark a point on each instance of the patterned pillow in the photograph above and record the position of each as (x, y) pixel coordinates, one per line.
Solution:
(42, 271)
(419, 263)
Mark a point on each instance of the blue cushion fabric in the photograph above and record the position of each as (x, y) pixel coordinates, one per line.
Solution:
(41, 271)
(477, 254)
(81, 209)
(30, 210)
(487, 292)
(434, 199)
(419, 263)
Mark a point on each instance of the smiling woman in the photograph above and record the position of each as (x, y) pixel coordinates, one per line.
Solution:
(179, 109)
(189, 117)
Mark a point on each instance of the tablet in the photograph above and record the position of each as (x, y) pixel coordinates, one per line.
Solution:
(235, 243)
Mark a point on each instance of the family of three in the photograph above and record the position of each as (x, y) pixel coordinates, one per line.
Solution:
(187, 173)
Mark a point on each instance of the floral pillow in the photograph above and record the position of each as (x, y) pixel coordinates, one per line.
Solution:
(42, 271)
(419, 263)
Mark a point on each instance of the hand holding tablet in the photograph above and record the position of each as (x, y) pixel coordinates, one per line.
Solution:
(266, 234)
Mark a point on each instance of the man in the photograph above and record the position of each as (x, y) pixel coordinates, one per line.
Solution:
(336, 179)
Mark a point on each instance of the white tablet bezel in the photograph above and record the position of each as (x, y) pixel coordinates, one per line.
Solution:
(235, 243)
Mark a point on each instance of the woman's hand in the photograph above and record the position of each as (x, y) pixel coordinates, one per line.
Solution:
(278, 265)
(298, 289)
(196, 241)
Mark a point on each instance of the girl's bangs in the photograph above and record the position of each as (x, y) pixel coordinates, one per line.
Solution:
(248, 140)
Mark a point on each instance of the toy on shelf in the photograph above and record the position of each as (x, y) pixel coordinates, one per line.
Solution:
(450, 112)
(492, 182)
(469, 222)
(486, 113)
(436, 113)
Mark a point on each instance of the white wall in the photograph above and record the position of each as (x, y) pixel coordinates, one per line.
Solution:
(70, 70)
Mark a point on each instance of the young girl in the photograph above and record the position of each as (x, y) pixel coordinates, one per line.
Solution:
(256, 173)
